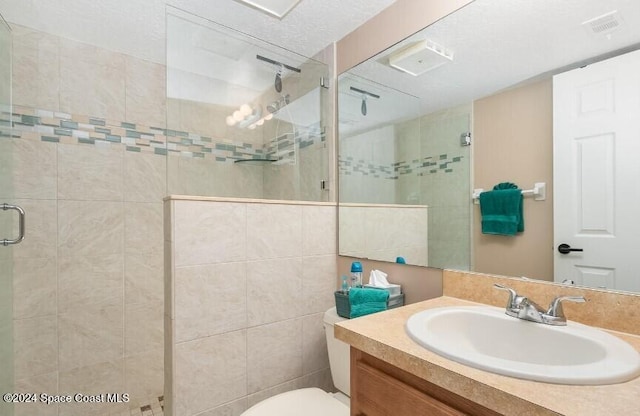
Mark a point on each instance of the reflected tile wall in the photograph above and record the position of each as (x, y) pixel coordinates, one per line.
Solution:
(424, 164)
(386, 231)
(238, 278)
(450, 213)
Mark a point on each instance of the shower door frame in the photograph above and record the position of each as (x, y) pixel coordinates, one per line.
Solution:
(7, 225)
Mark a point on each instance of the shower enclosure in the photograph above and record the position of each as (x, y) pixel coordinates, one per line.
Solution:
(81, 297)
(6, 224)
(244, 117)
(89, 150)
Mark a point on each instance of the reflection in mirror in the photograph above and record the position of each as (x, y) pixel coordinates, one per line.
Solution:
(491, 71)
(404, 177)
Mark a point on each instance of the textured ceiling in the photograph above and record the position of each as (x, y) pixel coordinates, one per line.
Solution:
(137, 27)
(497, 44)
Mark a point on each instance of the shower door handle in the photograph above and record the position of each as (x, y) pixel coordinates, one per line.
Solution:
(6, 242)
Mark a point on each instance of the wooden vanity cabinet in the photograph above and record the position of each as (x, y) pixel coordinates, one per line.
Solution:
(380, 389)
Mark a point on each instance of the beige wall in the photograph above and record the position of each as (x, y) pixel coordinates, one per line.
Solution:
(403, 18)
(247, 285)
(513, 142)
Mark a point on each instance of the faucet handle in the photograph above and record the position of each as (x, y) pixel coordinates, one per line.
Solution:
(514, 299)
(555, 309)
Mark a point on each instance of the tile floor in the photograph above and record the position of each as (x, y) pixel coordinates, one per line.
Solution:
(155, 408)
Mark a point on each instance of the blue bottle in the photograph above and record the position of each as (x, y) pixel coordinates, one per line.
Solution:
(356, 274)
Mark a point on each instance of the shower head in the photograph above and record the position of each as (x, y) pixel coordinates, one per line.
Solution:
(278, 104)
(365, 94)
(273, 107)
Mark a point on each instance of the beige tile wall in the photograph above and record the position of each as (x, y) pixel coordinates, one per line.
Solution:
(246, 289)
(89, 314)
(88, 309)
(60, 74)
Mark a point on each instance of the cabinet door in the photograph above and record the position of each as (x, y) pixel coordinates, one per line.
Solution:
(379, 394)
(381, 389)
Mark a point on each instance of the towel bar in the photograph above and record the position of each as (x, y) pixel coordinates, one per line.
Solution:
(539, 192)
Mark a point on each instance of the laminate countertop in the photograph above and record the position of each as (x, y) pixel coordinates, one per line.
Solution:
(383, 336)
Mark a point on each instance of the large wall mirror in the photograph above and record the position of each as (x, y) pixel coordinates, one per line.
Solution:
(407, 115)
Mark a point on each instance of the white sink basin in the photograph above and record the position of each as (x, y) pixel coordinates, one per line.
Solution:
(486, 338)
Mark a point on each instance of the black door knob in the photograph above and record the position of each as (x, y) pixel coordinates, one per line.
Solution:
(566, 248)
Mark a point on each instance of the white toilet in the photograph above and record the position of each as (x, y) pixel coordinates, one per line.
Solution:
(314, 401)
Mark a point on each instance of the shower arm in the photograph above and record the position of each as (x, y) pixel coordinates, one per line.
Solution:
(278, 64)
(363, 92)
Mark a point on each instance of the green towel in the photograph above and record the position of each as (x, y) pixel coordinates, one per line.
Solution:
(366, 301)
(501, 210)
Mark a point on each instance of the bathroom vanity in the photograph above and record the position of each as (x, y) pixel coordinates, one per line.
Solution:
(378, 388)
(393, 375)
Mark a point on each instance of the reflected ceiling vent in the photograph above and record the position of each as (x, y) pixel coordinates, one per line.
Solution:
(420, 57)
(274, 8)
(605, 25)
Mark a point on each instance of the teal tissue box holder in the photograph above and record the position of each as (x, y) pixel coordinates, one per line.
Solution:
(343, 307)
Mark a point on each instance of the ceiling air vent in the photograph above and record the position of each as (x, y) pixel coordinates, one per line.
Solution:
(420, 57)
(604, 25)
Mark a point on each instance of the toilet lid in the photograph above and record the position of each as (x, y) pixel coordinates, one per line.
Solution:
(307, 402)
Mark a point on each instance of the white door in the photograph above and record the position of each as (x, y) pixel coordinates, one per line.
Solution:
(596, 169)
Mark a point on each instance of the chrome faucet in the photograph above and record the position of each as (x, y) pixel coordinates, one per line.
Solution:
(523, 308)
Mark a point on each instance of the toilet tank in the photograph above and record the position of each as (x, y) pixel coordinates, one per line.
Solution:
(338, 353)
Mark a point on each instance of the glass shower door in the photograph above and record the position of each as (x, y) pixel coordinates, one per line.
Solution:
(8, 221)
(244, 117)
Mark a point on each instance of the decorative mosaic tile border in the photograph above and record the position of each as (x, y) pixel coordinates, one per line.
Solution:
(155, 408)
(59, 127)
(425, 166)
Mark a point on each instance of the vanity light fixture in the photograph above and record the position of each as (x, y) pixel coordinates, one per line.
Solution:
(244, 116)
(420, 57)
(274, 8)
